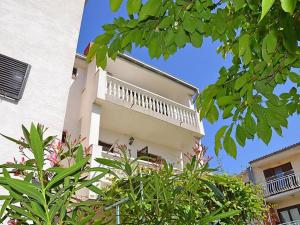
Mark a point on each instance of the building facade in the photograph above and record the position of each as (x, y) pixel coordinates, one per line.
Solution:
(134, 104)
(43, 80)
(38, 44)
(279, 176)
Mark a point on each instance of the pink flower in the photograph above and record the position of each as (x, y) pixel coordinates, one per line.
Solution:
(12, 222)
(53, 158)
(56, 146)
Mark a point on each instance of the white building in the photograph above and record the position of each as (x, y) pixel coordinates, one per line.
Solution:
(128, 102)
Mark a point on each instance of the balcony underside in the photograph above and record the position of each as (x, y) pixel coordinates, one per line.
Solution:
(289, 194)
(119, 117)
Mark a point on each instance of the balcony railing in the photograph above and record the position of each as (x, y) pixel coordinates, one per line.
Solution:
(281, 184)
(291, 223)
(150, 102)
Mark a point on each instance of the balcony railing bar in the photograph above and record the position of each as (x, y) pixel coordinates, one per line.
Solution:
(281, 184)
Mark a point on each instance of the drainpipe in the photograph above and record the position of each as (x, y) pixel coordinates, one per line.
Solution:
(250, 174)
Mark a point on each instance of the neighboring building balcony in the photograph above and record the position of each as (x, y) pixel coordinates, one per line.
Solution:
(291, 223)
(141, 100)
(282, 184)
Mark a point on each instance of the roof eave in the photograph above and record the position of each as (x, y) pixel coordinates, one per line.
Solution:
(153, 69)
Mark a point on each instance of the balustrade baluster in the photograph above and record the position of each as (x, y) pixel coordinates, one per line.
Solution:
(115, 90)
(127, 94)
(147, 102)
(139, 98)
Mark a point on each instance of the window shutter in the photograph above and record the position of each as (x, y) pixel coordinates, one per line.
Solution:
(13, 77)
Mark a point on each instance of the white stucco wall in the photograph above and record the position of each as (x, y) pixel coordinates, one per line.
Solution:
(43, 34)
(170, 155)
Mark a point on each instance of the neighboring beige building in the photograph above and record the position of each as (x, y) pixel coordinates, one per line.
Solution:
(279, 175)
(128, 103)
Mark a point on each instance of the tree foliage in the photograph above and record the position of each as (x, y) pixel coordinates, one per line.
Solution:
(261, 36)
(164, 195)
(50, 185)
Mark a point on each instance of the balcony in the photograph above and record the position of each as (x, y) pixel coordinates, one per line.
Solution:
(291, 223)
(282, 184)
(141, 100)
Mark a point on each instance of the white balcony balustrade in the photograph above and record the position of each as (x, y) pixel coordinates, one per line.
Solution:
(281, 184)
(151, 103)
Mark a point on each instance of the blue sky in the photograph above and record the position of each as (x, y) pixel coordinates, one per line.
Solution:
(199, 67)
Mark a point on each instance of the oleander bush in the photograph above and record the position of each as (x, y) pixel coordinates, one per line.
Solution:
(51, 182)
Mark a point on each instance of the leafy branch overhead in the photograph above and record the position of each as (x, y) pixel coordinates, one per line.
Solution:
(261, 36)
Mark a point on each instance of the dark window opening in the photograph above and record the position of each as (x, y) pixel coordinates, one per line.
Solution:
(106, 147)
(278, 172)
(74, 73)
(13, 77)
(144, 152)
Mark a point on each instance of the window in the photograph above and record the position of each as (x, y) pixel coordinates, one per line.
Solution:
(148, 156)
(278, 172)
(74, 73)
(289, 214)
(13, 77)
(106, 147)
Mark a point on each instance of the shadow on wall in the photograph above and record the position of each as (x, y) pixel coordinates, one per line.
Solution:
(73, 109)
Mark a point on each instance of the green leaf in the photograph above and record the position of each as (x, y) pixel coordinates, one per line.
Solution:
(213, 114)
(240, 135)
(154, 47)
(227, 112)
(23, 212)
(103, 39)
(79, 154)
(188, 23)
(115, 5)
(290, 36)
(264, 131)
(23, 144)
(110, 163)
(271, 41)
(241, 81)
(196, 39)
(266, 6)
(225, 100)
(214, 188)
(151, 8)
(181, 38)
(239, 4)
(37, 147)
(244, 44)
(92, 52)
(294, 77)
(269, 46)
(229, 145)
(101, 59)
(288, 5)
(218, 136)
(24, 187)
(67, 172)
(250, 124)
(133, 6)
(37, 210)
